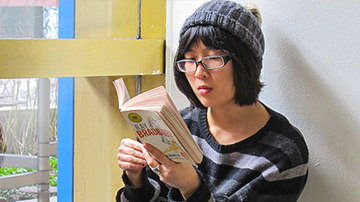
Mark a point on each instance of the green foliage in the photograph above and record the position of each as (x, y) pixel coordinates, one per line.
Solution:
(53, 171)
(12, 171)
(53, 163)
(16, 193)
(10, 193)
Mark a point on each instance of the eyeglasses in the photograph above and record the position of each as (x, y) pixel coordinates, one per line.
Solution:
(209, 63)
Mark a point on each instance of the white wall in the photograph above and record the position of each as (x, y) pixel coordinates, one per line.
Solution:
(312, 75)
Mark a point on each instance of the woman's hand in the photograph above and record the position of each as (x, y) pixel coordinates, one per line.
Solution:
(178, 175)
(131, 159)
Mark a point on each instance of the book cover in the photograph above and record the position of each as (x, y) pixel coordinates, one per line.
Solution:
(155, 120)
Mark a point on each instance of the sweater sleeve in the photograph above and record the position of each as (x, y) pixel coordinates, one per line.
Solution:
(202, 194)
(280, 189)
(151, 191)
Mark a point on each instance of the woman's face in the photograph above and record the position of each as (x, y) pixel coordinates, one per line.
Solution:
(214, 88)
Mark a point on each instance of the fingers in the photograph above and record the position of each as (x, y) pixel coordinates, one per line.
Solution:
(131, 167)
(153, 156)
(170, 172)
(127, 153)
(131, 148)
(154, 164)
(127, 142)
(130, 156)
(135, 159)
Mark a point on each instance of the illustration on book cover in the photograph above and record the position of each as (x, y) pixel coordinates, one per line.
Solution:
(148, 125)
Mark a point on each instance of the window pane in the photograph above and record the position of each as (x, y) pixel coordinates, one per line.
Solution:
(25, 19)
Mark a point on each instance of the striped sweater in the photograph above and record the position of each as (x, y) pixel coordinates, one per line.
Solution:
(271, 166)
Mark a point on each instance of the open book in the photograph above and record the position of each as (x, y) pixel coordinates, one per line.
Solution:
(156, 121)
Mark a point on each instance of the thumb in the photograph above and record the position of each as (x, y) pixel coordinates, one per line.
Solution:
(155, 154)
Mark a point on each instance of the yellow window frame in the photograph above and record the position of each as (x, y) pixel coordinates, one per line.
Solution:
(110, 41)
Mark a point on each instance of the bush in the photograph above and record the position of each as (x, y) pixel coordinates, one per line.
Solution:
(53, 171)
(16, 194)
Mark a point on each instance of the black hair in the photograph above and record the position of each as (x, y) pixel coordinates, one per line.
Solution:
(246, 71)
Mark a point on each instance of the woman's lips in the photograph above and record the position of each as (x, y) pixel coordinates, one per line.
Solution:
(204, 90)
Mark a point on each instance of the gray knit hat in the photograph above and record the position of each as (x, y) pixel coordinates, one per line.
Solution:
(232, 17)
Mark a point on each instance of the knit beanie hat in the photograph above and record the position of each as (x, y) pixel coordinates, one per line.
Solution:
(232, 17)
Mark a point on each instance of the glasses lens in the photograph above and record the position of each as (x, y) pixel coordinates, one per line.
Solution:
(186, 65)
(209, 62)
(213, 61)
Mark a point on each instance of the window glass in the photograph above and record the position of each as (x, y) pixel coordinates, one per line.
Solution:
(25, 19)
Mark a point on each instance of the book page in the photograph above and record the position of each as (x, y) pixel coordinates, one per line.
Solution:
(122, 92)
(146, 99)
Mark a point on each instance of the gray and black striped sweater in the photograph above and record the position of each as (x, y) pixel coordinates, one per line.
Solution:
(269, 166)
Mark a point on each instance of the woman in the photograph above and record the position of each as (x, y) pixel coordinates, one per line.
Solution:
(251, 153)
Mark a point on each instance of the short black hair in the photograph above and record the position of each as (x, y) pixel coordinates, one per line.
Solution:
(246, 71)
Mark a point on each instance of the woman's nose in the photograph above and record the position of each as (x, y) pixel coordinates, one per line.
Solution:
(201, 72)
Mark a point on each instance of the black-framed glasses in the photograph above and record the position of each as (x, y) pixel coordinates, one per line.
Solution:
(209, 63)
